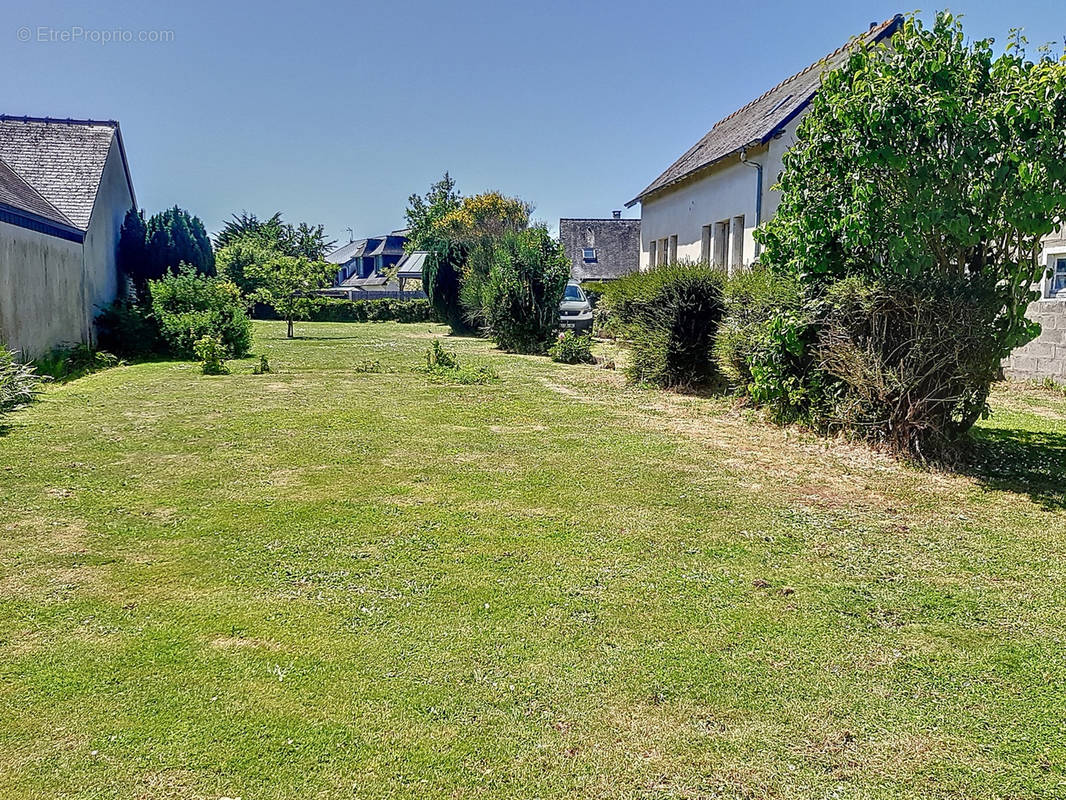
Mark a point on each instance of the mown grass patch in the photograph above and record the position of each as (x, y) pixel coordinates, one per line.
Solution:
(334, 582)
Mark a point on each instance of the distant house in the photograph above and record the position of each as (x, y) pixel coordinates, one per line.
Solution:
(65, 189)
(362, 264)
(364, 258)
(707, 204)
(601, 249)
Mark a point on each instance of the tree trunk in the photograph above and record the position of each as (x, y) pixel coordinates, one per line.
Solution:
(289, 333)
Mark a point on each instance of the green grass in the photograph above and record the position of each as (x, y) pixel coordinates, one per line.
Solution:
(333, 583)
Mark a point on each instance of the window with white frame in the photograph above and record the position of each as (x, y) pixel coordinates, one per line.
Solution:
(1058, 275)
(705, 244)
(673, 249)
(588, 254)
(651, 253)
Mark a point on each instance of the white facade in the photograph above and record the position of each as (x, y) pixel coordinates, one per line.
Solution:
(113, 199)
(63, 210)
(711, 216)
(42, 291)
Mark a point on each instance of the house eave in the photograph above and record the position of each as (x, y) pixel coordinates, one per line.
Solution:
(34, 222)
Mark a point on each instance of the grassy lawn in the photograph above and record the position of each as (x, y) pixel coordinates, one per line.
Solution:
(323, 583)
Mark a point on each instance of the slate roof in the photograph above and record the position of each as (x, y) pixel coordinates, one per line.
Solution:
(410, 266)
(764, 117)
(17, 194)
(372, 246)
(62, 159)
(342, 255)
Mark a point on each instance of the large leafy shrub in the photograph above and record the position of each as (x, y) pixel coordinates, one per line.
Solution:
(188, 306)
(910, 359)
(521, 295)
(762, 345)
(671, 316)
(19, 383)
(923, 162)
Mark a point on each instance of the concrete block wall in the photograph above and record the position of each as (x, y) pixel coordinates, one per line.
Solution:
(1045, 356)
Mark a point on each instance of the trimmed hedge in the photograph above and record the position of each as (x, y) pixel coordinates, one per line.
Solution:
(670, 315)
(384, 310)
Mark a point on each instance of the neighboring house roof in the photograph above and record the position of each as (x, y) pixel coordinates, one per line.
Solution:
(342, 255)
(410, 266)
(763, 118)
(370, 283)
(388, 246)
(372, 246)
(62, 159)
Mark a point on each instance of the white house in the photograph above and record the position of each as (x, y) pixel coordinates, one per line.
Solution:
(65, 189)
(707, 204)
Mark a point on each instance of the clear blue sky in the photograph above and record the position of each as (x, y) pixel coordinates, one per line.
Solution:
(335, 112)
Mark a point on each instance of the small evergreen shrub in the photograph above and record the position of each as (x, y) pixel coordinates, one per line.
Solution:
(68, 363)
(189, 306)
(212, 355)
(263, 367)
(129, 330)
(444, 365)
(670, 315)
(763, 344)
(19, 383)
(572, 348)
(594, 291)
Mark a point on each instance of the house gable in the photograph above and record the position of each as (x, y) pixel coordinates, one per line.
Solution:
(763, 118)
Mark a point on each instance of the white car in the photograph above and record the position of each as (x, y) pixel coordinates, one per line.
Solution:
(575, 311)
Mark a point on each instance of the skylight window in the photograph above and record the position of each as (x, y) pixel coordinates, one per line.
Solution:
(588, 254)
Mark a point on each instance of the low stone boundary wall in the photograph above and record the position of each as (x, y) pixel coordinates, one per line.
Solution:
(1045, 356)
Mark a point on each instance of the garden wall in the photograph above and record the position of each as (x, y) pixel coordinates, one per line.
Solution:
(1045, 356)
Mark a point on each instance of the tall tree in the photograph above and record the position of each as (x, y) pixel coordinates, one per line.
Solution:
(149, 250)
(422, 212)
(275, 234)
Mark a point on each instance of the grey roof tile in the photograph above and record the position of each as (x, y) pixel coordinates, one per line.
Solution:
(15, 192)
(62, 159)
(762, 118)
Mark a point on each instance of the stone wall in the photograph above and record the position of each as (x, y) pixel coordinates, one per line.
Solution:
(1045, 356)
(616, 241)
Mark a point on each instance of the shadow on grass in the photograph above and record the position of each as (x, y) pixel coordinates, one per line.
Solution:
(300, 338)
(1022, 461)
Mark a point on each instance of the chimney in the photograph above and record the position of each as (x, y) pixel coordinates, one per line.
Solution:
(616, 214)
(873, 25)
